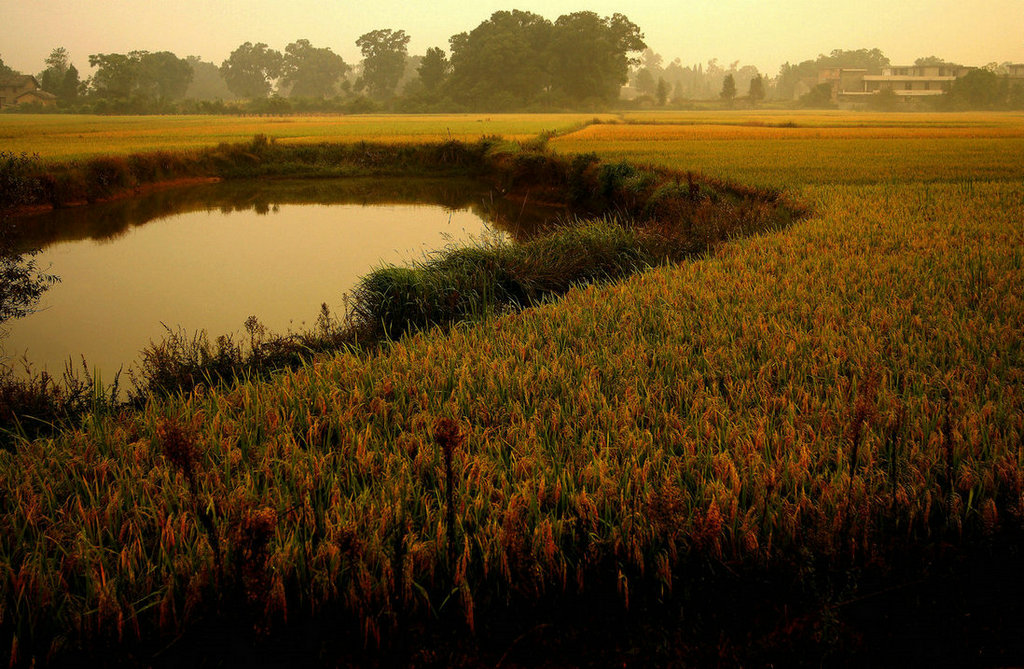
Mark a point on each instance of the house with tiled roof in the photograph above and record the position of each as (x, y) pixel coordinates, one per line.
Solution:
(23, 89)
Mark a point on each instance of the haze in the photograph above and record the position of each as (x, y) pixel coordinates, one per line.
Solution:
(763, 34)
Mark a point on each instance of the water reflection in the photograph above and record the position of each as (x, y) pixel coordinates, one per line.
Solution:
(208, 257)
(109, 220)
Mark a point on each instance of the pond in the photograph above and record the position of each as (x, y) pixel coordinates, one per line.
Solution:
(208, 257)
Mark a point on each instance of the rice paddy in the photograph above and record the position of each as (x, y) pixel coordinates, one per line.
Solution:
(59, 137)
(838, 395)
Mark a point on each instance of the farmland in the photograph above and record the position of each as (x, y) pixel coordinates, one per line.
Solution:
(839, 399)
(70, 138)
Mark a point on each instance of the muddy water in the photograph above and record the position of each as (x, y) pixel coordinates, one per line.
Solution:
(208, 257)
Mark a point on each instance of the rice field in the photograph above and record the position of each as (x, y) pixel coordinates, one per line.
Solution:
(59, 137)
(792, 149)
(847, 391)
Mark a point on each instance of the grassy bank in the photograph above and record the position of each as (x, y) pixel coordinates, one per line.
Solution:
(749, 450)
(645, 217)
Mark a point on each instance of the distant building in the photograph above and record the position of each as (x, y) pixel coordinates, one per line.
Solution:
(1015, 71)
(23, 89)
(907, 82)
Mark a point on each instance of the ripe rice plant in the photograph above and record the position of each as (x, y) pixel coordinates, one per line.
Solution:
(840, 398)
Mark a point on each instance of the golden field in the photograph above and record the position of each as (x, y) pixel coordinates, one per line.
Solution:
(838, 392)
(61, 138)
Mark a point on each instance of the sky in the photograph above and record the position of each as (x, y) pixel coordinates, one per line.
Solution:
(763, 33)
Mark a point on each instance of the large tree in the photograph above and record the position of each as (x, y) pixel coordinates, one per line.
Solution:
(163, 76)
(116, 74)
(978, 89)
(140, 75)
(589, 56)
(57, 63)
(69, 87)
(434, 69)
(503, 62)
(311, 72)
(251, 70)
(384, 52)
(207, 81)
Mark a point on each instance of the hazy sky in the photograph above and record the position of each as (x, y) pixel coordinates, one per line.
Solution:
(764, 33)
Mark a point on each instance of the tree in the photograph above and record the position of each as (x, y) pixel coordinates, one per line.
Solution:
(311, 72)
(728, 89)
(52, 78)
(69, 86)
(384, 52)
(6, 71)
(756, 92)
(140, 75)
(978, 89)
(251, 69)
(21, 283)
(207, 81)
(589, 56)
(162, 76)
(434, 69)
(662, 92)
(502, 63)
(818, 97)
(116, 74)
(645, 83)
(934, 61)
(872, 60)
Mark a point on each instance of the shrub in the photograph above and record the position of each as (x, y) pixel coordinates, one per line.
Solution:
(105, 176)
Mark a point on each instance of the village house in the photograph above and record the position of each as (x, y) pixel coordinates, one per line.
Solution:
(906, 82)
(23, 89)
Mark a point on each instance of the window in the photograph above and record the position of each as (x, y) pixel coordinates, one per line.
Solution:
(909, 86)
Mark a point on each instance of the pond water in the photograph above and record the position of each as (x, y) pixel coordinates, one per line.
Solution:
(208, 257)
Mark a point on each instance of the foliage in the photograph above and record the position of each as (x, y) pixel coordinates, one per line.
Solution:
(517, 58)
(434, 69)
(662, 92)
(251, 69)
(311, 72)
(885, 100)
(501, 62)
(873, 60)
(57, 64)
(384, 53)
(983, 89)
(756, 92)
(163, 76)
(728, 92)
(139, 77)
(819, 97)
(5, 70)
(590, 55)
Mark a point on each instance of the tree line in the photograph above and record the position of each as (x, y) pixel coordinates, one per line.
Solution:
(514, 60)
